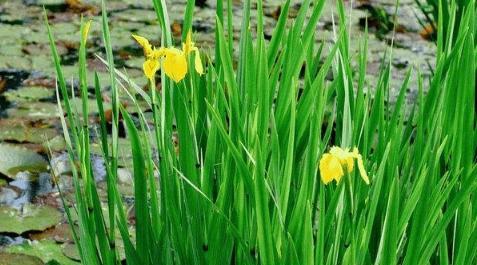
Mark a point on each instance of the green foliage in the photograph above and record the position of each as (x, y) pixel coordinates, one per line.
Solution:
(242, 184)
(443, 17)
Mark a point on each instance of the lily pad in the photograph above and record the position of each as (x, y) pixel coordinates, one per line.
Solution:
(15, 62)
(77, 105)
(11, 33)
(24, 133)
(15, 259)
(12, 50)
(60, 233)
(34, 110)
(55, 144)
(71, 251)
(65, 27)
(29, 93)
(30, 218)
(49, 2)
(46, 250)
(42, 62)
(14, 159)
(38, 37)
(136, 15)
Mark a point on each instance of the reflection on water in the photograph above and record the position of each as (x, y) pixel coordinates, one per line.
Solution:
(30, 186)
(7, 240)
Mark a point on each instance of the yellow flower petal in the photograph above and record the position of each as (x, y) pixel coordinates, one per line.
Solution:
(344, 156)
(362, 171)
(330, 169)
(188, 46)
(198, 64)
(146, 46)
(339, 153)
(86, 28)
(157, 53)
(175, 64)
(150, 68)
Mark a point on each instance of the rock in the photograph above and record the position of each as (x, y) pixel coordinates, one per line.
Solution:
(60, 164)
(125, 176)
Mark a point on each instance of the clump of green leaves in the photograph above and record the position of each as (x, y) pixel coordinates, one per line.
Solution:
(242, 184)
(443, 15)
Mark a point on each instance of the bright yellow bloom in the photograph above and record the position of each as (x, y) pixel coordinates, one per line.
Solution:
(174, 60)
(150, 68)
(144, 43)
(175, 64)
(334, 164)
(152, 64)
(85, 32)
(189, 47)
(330, 168)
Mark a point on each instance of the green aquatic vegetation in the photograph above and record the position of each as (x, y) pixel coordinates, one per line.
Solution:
(14, 159)
(10, 259)
(29, 94)
(46, 250)
(231, 173)
(14, 130)
(33, 110)
(29, 218)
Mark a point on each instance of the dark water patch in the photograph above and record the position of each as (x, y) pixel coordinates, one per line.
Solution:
(60, 7)
(4, 105)
(9, 21)
(201, 3)
(132, 50)
(121, 129)
(13, 78)
(69, 58)
(12, 22)
(10, 79)
(198, 26)
(10, 239)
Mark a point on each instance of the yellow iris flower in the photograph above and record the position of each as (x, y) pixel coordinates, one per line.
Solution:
(85, 32)
(335, 163)
(174, 60)
(189, 47)
(152, 64)
(175, 64)
(144, 43)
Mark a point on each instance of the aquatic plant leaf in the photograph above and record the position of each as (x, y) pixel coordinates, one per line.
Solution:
(14, 62)
(31, 93)
(60, 234)
(15, 259)
(24, 133)
(14, 159)
(46, 250)
(34, 110)
(30, 218)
